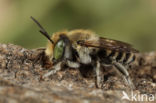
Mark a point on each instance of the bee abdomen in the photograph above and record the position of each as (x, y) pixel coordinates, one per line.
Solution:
(132, 59)
(113, 55)
(122, 57)
(119, 57)
(125, 58)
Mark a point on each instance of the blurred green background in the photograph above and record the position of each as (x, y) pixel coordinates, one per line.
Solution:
(131, 21)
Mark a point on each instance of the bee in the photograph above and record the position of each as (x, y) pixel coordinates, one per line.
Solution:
(84, 48)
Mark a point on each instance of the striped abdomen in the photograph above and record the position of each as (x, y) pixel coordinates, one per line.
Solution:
(121, 57)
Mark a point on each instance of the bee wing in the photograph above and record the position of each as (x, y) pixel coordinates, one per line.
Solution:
(109, 44)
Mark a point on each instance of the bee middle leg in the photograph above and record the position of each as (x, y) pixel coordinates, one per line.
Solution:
(124, 73)
(99, 75)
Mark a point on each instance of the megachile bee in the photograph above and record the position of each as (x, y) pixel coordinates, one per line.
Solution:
(78, 48)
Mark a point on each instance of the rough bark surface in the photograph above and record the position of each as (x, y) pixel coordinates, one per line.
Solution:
(21, 80)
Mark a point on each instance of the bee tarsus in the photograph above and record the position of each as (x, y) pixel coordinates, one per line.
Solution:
(124, 73)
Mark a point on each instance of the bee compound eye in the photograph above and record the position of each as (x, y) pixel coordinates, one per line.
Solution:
(59, 49)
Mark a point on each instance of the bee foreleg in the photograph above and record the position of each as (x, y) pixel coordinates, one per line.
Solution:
(56, 68)
(124, 72)
(99, 75)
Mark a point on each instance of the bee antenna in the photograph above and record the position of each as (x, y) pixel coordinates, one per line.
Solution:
(42, 30)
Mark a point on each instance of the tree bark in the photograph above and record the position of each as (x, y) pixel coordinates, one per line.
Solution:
(21, 80)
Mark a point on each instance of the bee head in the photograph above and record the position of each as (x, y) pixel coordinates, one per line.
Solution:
(60, 48)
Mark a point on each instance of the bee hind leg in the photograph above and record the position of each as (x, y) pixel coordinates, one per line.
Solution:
(124, 73)
(99, 75)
